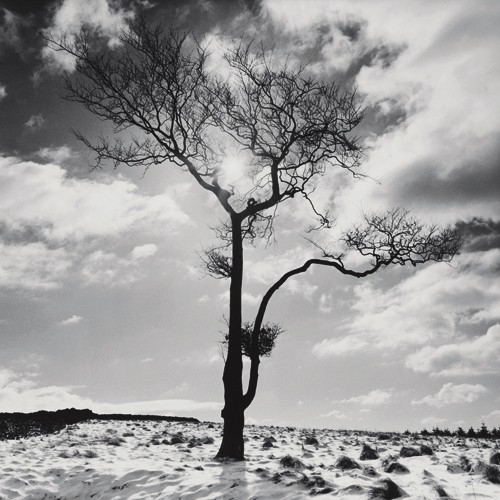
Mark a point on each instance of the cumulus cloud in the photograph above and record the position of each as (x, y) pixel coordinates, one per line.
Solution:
(453, 394)
(444, 153)
(72, 320)
(478, 356)
(33, 266)
(373, 398)
(426, 76)
(336, 414)
(248, 298)
(455, 297)
(144, 251)
(10, 26)
(339, 346)
(35, 122)
(270, 268)
(108, 268)
(335, 37)
(301, 286)
(479, 234)
(22, 393)
(56, 155)
(104, 15)
(64, 208)
(44, 213)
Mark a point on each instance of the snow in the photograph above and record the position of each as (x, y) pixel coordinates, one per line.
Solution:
(136, 460)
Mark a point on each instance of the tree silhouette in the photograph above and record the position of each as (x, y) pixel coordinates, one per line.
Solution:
(291, 129)
(471, 433)
(483, 431)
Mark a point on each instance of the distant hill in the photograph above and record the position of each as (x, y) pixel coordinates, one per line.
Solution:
(20, 425)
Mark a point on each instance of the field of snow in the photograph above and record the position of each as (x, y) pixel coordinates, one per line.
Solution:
(172, 460)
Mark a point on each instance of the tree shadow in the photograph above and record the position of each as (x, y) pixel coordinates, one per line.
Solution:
(230, 479)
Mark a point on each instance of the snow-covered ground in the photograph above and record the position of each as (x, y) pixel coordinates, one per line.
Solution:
(170, 460)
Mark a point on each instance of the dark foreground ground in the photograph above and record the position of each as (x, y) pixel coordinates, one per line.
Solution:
(23, 425)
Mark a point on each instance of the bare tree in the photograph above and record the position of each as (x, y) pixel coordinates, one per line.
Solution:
(290, 126)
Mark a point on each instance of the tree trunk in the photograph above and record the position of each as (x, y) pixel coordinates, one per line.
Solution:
(252, 382)
(232, 445)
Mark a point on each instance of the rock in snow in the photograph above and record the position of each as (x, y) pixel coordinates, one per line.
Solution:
(368, 453)
(407, 451)
(346, 463)
(495, 458)
(396, 468)
(386, 489)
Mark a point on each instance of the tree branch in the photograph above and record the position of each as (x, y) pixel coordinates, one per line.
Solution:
(393, 237)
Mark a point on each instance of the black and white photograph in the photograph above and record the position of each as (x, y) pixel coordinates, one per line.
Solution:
(249, 249)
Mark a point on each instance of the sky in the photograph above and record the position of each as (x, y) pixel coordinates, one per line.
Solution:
(103, 300)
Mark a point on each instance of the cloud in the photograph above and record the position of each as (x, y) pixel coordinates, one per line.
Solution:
(72, 15)
(45, 215)
(456, 297)
(3, 92)
(333, 37)
(33, 266)
(339, 346)
(444, 153)
(434, 149)
(435, 146)
(336, 414)
(35, 122)
(44, 197)
(453, 394)
(478, 356)
(144, 251)
(373, 398)
(107, 268)
(325, 303)
(479, 234)
(299, 286)
(56, 155)
(248, 298)
(24, 394)
(73, 320)
(270, 268)
(10, 25)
